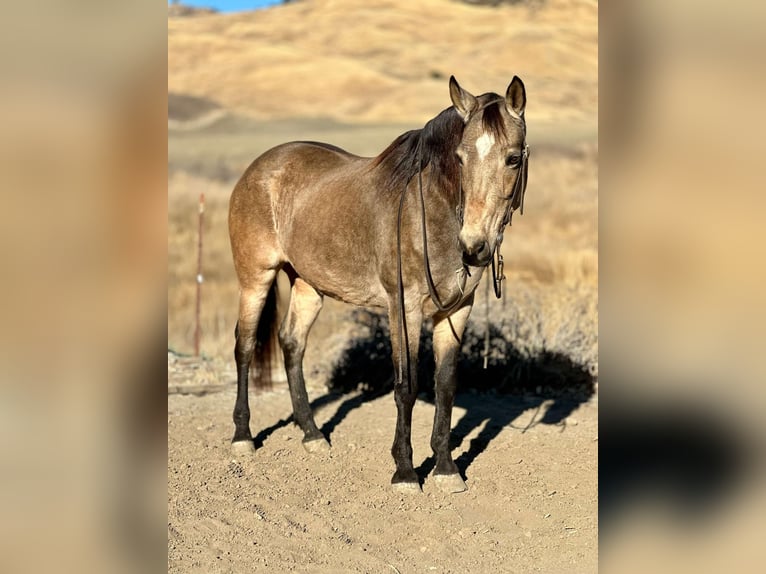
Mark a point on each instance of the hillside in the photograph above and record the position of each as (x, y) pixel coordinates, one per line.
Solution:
(383, 61)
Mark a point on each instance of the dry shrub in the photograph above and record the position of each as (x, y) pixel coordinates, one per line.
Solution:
(539, 338)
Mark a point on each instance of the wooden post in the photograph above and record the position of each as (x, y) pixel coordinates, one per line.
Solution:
(197, 331)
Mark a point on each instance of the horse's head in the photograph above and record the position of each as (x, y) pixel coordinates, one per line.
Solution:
(492, 155)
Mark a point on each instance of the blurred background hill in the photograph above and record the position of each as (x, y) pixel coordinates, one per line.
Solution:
(382, 61)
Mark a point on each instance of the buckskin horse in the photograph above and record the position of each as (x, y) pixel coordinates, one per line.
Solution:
(409, 231)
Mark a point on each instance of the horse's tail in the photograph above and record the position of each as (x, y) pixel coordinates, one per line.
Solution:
(266, 341)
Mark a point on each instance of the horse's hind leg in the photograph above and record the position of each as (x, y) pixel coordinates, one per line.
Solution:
(251, 302)
(305, 304)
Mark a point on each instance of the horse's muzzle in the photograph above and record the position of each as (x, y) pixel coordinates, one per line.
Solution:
(477, 254)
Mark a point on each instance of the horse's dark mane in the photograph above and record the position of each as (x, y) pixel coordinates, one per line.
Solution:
(435, 144)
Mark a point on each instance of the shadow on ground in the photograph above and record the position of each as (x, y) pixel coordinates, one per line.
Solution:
(549, 385)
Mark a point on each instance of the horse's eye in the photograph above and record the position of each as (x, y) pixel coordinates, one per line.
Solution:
(512, 160)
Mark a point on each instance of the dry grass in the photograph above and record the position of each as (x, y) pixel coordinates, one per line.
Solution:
(304, 59)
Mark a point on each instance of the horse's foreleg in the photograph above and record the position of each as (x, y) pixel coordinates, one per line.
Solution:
(251, 302)
(448, 333)
(405, 391)
(305, 304)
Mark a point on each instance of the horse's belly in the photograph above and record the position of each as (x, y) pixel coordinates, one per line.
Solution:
(328, 233)
(356, 288)
(337, 264)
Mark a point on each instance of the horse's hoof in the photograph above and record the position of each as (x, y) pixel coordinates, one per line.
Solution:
(317, 445)
(449, 483)
(242, 447)
(407, 487)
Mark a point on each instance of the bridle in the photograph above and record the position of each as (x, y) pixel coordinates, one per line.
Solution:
(515, 201)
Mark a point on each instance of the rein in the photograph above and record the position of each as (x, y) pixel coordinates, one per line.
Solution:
(426, 265)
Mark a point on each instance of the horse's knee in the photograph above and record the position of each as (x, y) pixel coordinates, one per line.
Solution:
(244, 347)
(290, 344)
(405, 394)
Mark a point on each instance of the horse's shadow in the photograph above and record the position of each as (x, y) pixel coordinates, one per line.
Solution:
(492, 414)
(549, 385)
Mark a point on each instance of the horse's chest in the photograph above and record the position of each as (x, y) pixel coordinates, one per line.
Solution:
(472, 281)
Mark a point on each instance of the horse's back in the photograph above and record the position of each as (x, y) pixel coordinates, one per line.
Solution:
(254, 205)
(270, 174)
(308, 156)
(307, 203)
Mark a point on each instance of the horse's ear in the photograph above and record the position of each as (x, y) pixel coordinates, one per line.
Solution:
(516, 96)
(464, 102)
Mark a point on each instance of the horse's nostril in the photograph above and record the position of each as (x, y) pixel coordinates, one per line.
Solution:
(475, 252)
(478, 249)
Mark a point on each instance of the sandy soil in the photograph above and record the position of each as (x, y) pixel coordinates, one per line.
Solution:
(529, 462)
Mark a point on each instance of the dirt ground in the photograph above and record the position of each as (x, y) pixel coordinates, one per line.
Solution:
(529, 462)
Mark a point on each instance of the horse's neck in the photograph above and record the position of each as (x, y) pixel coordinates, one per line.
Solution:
(441, 218)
